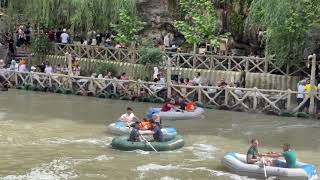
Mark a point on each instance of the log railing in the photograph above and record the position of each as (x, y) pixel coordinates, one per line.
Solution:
(186, 60)
(242, 99)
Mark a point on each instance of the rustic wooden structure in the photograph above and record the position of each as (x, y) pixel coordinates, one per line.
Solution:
(242, 99)
(186, 60)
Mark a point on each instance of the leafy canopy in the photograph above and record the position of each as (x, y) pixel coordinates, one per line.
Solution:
(128, 27)
(287, 24)
(81, 15)
(199, 24)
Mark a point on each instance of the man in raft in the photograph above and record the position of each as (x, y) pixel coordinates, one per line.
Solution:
(156, 132)
(254, 157)
(288, 154)
(128, 117)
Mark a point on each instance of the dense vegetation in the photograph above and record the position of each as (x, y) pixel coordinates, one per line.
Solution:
(80, 15)
(291, 26)
(288, 24)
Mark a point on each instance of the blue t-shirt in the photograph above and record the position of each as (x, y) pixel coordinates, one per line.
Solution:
(157, 136)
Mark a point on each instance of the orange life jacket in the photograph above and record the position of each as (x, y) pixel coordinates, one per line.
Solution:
(145, 125)
(191, 106)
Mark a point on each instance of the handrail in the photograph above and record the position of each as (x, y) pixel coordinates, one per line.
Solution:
(250, 99)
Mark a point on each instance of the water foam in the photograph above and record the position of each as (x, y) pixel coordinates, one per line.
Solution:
(168, 178)
(202, 151)
(55, 170)
(60, 169)
(104, 142)
(103, 158)
(294, 126)
(156, 167)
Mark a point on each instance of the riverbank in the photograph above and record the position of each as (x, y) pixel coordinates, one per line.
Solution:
(65, 137)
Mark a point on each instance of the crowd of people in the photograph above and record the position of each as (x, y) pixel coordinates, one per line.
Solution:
(304, 90)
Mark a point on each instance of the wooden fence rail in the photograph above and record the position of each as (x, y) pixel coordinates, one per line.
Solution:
(186, 60)
(242, 99)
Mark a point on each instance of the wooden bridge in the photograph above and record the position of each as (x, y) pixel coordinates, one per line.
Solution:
(186, 60)
(240, 99)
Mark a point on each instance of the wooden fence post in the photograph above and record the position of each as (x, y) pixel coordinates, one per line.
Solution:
(169, 77)
(289, 99)
(312, 83)
(266, 64)
(16, 78)
(226, 94)
(199, 94)
(255, 100)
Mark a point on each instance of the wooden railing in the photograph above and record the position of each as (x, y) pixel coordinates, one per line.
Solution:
(186, 60)
(242, 99)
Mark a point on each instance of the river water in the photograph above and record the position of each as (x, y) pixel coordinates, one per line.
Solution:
(52, 137)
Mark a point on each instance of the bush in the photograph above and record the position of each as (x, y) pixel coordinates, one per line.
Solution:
(150, 56)
(41, 45)
(104, 68)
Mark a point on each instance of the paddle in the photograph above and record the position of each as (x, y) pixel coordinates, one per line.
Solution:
(148, 143)
(264, 168)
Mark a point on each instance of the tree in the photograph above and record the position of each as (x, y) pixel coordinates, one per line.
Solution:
(199, 24)
(81, 15)
(128, 27)
(287, 24)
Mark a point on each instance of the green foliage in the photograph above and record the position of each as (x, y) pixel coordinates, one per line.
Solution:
(41, 46)
(199, 24)
(81, 15)
(287, 24)
(127, 27)
(150, 56)
(104, 68)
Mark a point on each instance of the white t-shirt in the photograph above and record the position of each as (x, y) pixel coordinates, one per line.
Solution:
(319, 89)
(64, 38)
(197, 80)
(129, 118)
(48, 70)
(22, 68)
(300, 91)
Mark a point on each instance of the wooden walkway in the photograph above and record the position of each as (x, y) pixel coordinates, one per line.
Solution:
(240, 99)
(186, 60)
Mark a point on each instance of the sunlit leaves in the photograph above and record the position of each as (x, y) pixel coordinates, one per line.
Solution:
(199, 24)
(287, 23)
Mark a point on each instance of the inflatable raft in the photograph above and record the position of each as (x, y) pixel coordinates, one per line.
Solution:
(119, 128)
(236, 163)
(172, 115)
(122, 143)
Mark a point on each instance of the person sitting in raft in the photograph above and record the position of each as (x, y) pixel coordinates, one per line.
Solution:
(169, 106)
(181, 103)
(253, 155)
(156, 118)
(191, 106)
(288, 154)
(156, 132)
(145, 125)
(135, 134)
(128, 117)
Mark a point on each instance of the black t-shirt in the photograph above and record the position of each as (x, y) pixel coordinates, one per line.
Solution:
(27, 32)
(58, 36)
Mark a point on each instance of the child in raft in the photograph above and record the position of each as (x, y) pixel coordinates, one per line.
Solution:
(169, 105)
